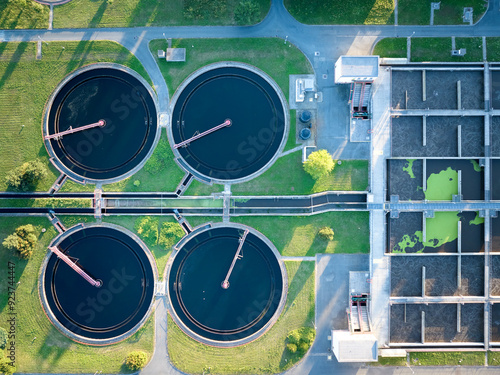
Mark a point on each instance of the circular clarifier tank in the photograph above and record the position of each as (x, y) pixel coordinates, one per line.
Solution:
(106, 293)
(229, 121)
(226, 284)
(100, 123)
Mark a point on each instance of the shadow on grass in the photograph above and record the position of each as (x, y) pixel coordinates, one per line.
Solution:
(305, 270)
(20, 265)
(16, 57)
(5, 24)
(141, 14)
(54, 346)
(317, 244)
(79, 55)
(94, 22)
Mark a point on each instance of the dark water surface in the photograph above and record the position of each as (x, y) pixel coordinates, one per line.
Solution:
(256, 112)
(225, 314)
(130, 114)
(113, 257)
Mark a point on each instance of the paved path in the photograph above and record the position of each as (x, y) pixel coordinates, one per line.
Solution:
(160, 363)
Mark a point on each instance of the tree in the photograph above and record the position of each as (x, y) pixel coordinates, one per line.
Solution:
(5, 367)
(24, 240)
(27, 175)
(247, 13)
(147, 228)
(170, 234)
(136, 360)
(326, 233)
(3, 338)
(300, 340)
(319, 164)
(294, 337)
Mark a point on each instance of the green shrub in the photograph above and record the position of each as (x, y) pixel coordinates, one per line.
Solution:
(5, 367)
(147, 228)
(3, 338)
(308, 335)
(159, 158)
(136, 360)
(24, 240)
(26, 176)
(294, 337)
(170, 234)
(303, 347)
(326, 233)
(247, 13)
(137, 183)
(319, 164)
(292, 348)
(300, 340)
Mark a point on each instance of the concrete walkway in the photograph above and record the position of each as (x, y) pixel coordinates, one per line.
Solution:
(160, 363)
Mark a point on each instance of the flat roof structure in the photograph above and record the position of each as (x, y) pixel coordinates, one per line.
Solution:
(176, 54)
(349, 347)
(356, 68)
(358, 282)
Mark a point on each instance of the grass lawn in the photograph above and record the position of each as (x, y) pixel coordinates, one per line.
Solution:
(474, 48)
(298, 235)
(291, 142)
(418, 12)
(199, 220)
(493, 49)
(46, 202)
(51, 351)
(23, 102)
(447, 358)
(391, 47)
(265, 355)
(131, 13)
(439, 49)
(200, 188)
(287, 177)
(331, 12)
(493, 358)
(22, 14)
(271, 55)
(436, 49)
(451, 11)
(430, 49)
(389, 361)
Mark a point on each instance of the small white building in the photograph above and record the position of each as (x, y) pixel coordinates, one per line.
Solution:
(354, 347)
(301, 87)
(349, 69)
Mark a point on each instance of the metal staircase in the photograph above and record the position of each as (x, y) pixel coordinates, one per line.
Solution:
(367, 95)
(359, 318)
(355, 327)
(360, 99)
(357, 89)
(365, 323)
